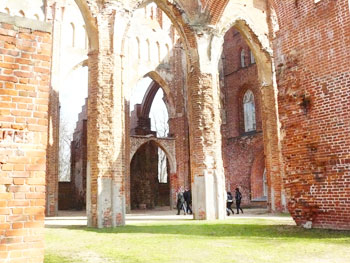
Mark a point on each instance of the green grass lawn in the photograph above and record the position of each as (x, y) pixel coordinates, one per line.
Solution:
(234, 240)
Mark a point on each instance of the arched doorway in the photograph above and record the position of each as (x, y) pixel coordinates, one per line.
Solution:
(149, 177)
(250, 119)
(242, 128)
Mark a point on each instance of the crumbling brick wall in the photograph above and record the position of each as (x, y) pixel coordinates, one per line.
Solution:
(312, 65)
(25, 47)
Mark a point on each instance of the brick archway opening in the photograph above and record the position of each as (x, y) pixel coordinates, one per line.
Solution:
(152, 171)
(241, 146)
(242, 128)
(148, 187)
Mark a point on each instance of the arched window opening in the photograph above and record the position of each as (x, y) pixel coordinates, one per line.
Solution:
(252, 58)
(148, 50)
(36, 17)
(86, 40)
(152, 13)
(150, 166)
(249, 112)
(138, 48)
(167, 49)
(242, 58)
(72, 34)
(158, 50)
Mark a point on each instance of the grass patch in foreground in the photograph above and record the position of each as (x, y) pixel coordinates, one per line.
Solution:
(53, 258)
(234, 240)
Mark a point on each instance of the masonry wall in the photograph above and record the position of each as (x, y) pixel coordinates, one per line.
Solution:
(312, 57)
(241, 149)
(25, 47)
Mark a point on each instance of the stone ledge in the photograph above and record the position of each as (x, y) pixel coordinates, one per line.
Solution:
(26, 23)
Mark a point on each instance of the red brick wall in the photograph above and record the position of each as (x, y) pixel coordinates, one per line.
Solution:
(312, 59)
(24, 91)
(240, 149)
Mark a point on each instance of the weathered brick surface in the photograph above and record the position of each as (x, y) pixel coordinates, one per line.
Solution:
(241, 149)
(312, 64)
(24, 97)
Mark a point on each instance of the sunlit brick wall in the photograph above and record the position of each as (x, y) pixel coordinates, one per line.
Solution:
(25, 55)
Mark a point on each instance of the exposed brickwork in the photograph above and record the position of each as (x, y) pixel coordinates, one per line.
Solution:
(240, 149)
(24, 96)
(313, 79)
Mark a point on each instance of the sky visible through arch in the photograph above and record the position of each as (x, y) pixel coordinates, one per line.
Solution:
(159, 113)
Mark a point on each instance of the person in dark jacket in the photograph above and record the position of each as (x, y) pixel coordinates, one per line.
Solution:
(238, 197)
(188, 201)
(229, 203)
(180, 202)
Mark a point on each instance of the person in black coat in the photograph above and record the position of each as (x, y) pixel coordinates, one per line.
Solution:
(238, 197)
(188, 200)
(180, 202)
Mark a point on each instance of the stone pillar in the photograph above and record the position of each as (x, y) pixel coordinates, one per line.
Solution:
(106, 144)
(207, 173)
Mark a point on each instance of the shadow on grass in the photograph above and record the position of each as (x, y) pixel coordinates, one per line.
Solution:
(222, 230)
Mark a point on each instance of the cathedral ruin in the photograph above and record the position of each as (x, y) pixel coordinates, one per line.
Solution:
(256, 97)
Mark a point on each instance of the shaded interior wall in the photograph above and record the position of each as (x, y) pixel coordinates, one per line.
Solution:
(25, 62)
(65, 201)
(145, 190)
(240, 148)
(77, 197)
(313, 82)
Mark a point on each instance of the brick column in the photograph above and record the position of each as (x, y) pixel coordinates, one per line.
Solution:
(273, 161)
(106, 144)
(25, 60)
(207, 173)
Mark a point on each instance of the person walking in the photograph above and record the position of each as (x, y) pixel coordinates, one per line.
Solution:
(180, 202)
(229, 203)
(188, 201)
(238, 197)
